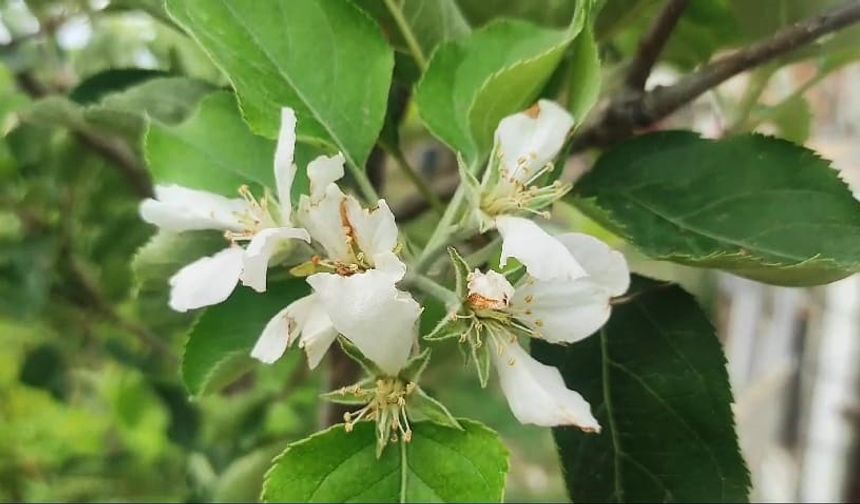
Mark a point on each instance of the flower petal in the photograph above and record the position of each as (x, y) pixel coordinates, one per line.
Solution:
(303, 316)
(561, 311)
(605, 267)
(544, 257)
(371, 312)
(322, 172)
(260, 250)
(536, 393)
(389, 264)
(206, 281)
(322, 219)
(285, 170)
(529, 140)
(375, 229)
(176, 208)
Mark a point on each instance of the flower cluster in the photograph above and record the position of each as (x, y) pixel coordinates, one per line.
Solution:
(351, 262)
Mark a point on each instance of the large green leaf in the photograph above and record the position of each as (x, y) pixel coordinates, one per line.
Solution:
(220, 342)
(213, 150)
(656, 380)
(472, 83)
(759, 207)
(325, 58)
(440, 464)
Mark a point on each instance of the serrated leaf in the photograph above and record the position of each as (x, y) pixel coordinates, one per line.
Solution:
(227, 332)
(656, 380)
(439, 465)
(325, 58)
(472, 83)
(756, 206)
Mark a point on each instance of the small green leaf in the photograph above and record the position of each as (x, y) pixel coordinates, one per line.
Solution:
(656, 381)
(756, 206)
(431, 409)
(439, 465)
(325, 58)
(226, 332)
(432, 22)
(474, 82)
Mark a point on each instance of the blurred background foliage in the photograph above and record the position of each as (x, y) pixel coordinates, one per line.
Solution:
(91, 405)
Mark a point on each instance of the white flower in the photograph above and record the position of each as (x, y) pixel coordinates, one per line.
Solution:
(360, 269)
(354, 277)
(528, 141)
(210, 280)
(558, 311)
(525, 145)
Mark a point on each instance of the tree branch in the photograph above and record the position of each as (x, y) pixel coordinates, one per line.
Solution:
(653, 42)
(632, 110)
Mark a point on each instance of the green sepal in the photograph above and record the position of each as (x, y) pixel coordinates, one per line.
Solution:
(413, 369)
(449, 327)
(355, 354)
(431, 409)
(481, 356)
(461, 272)
(349, 394)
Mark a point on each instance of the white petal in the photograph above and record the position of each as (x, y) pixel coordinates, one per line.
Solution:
(527, 141)
(389, 264)
(536, 393)
(285, 170)
(544, 257)
(260, 250)
(492, 286)
(274, 339)
(322, 172)
(206, 281)
(562, 311)
(372, 313)
(318, 333)
(604, 266)
(322, 219)
(177, 209)
(375, 230)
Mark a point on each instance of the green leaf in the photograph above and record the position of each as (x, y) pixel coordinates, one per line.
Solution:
(585, 77)
(213, 150)
(438, 465)
(759, 207)
(227, 332)
(324, 58)
(432, 22)
(656, 380)
(472, 83)
(554, 13)
(94, 88)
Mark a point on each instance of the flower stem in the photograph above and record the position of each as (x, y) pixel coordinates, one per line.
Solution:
(408, 35)
(442, 234)
(429, 286)
(416, 180)
(364, 184)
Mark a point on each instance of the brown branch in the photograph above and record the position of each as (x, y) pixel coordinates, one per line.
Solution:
(633, 110)
(653, 42)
